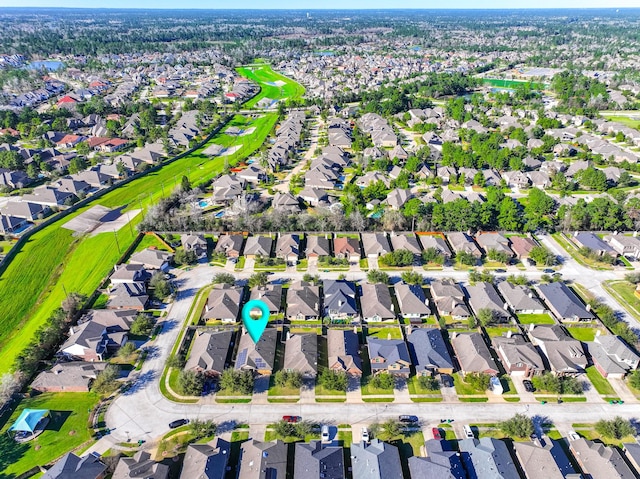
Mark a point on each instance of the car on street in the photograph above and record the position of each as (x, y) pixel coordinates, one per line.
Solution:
(178, 423)
(548, 270)
(365, 435)
(292, 419)
(436, 433)
(500, 270)
(408, 419)
(528, 386)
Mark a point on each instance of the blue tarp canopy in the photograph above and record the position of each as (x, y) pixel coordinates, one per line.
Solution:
(29, 419)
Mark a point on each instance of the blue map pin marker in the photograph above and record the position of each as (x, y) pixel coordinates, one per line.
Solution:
(255, 327)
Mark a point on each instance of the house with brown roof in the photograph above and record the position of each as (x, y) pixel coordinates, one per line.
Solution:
(484, 296)
(600, 461)
(494, 241)
(349, 248)
(209, 352)
(519, 357)
(230, 245)
(301, 354)
(343, 351)
(461, 242)
(317, 246)
(438, 243)
(473, 354)
(564, 354)
(520, 299)
(522, 246)
(223, 303)
(288, 248)
(152, 258)
(406, 241)
(449, 299)
(258, 246)
(74, 376)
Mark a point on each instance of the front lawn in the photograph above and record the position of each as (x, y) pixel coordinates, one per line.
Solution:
(462, 388)
(599, 382)
(624, 293)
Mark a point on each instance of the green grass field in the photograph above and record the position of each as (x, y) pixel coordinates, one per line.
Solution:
(500, 83)
(66, 430)
(266, 78)
(599, 382)
(535, 319)
(625, 120)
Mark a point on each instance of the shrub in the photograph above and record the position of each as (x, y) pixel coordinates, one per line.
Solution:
(333, 380)
(376, 276)
(190, 383)
(237, 381)
(518, 426)
(615, 428)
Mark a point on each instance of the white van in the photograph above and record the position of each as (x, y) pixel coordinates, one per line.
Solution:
(468, 432)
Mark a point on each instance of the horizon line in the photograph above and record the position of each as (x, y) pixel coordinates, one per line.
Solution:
(20, 7)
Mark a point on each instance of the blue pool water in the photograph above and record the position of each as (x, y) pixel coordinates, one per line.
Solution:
(50, 65)
(203, 203)
(219, 214)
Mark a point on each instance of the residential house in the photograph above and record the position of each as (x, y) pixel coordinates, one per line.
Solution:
(317, 461)
(429, 352)
(206, 461)
(612, 356)
(140, 465)
(488, 458)
(301, 354)
(406, 241)
(632, 453)
(625, 245)
(520, 299)
(376, 460)
(152, 258)
(586, 239)
(519, 357)
(196, 243)
(25, 209)
(449, 299)
(317, 246)
(461, 242)
(257, 357)
(71, 466)
(340, 300)
(313, 196)
(99, 333)
(74, 376)
(473, 354)
(303, 302)
(442, 462)
(129, 274)
(343, 352)
(286, 202)
(376, 303)
(522, 246)
(223, 303)
(548, 461)
(438, 243)
(270, 294)
(563, 302)
(397, 198)
(230, 245)
(11, 224)
(564, 354)
(412, 302)
(494, 241)
(600, 461)
(262, 460)
(288, 248)
(258, 246)
(49, 195)
(484, 296)
(346, 247)
(375, 244)
(209, 352)
(389, 356)
(252, 174)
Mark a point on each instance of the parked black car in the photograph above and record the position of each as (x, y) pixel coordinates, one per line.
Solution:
(528, 385)
(178, 423)
(408, 419)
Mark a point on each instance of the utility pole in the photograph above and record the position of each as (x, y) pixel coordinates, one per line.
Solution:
(116, 237)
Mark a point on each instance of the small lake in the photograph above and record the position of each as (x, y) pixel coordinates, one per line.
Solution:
(50, 65)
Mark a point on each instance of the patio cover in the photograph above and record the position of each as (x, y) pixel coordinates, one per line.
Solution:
(28, 420)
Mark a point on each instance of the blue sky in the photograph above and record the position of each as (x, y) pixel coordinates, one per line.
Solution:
(332, 4)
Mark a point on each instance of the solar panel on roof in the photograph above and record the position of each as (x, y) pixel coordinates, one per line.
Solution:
(242, 356)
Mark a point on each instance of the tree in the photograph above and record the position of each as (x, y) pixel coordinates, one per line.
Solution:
(10, 384)
(429, 383)
(399, 257)
(518, 426)
(433, 255)
(237, 381)
(389, 429)
(376, 276)
(183, 257)
(412, 277)
(615, 428)
(190, 383)
(161, 287)
(542, 256)
(127, 350)
(258, 279)
(486, 316)
(284, 429)
(495, 255)
(201, 429)
(333, 380)
(291, 379)
(76, 165)
(634, 379)
(383, 381)
(142, 325)
(185, 184)
(478, 381)
(519, 280)
(223, 278)
(106, 381)
(466, 258)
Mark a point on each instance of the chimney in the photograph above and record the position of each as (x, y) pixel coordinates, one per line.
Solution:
(588, 307)
(530, 294)
(288, 335)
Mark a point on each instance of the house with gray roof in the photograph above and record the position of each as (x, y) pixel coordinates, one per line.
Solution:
(622, 244)
(262, 460)
(128, 296)
(488, 458)
(473, 354)
(461, 242)
(140, 465)
(449, 299)
(301, 354)
(406, 241)
(563, 302)
(376, 460)
(71, 466)
(519, 357)
(206, 461)
(611, 356)
(411, 301)
(25, 209)
(152, 258)
(288, 247)
(438, 243)
(74, 376)
(258, 246)
(520, 299)
(376, 303)
(587, 239)
(209, 352)
(271, 294)
(375, 244)
(429, 352)
(195, 243)
(492, 240)
(484, 296)
(632, 453)
(389, 356)
(564, 354)
(442, 462)
(397, 198)
(318, 461)
(548, 461)
(286, 202)
(230, 245)
(303, 301)
(317, 246)
(252, 174)
(313, 196)
(223, 303)
(600, 461)
(340, 300)
(257, 357)
(343, 351)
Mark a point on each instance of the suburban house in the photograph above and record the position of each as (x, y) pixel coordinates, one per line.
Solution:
(519, 357)
(140, 465)
(99, 333)
(345, 247)
(484, 296)
(442, 462)
(303, 302)
(129, 274)
(522, 246)
(195, 243)
(473, 354)
(152, 258)
(563, 302)
(258, 246)
(271, 294)
(548, 461)
(288, 248)
(315, 460)
(257, 357)
(376, 303)
(406, 241)
(376, 460)
(564, 354)
(343, 351)
(206, 461)
(313, 196)
(586, 239)
(49, 195)
(340, 300)
(252, 174)
(210, 352)
(397, 198)
(449, 299)
(223, 303)
(389, 356)
(301, 354)
(520, 299)
(230, 245)
(487, 458)
(70, 465)
(375, 244)
(412, 302)
(632, 453)
(26, 210)
(612, 356)
(262, 460)
(600, 461)
(438, 243)
(317, 246)
(128, 296)
(494, 241)
(74, 376)
(463, 243)
(625, 245)
(429, 352)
